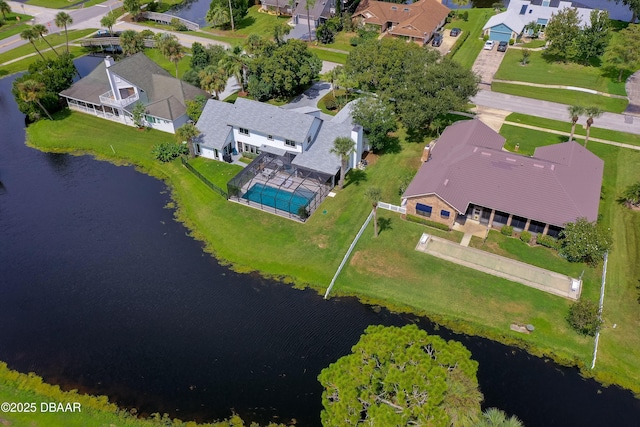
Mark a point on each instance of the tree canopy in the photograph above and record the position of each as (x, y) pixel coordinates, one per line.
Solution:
(623, 53)
(417, 83)
(569, 42)
(284, 72)
(240, 9)
(401, 376)
(55, 75)
(584, 241)
(377, 118)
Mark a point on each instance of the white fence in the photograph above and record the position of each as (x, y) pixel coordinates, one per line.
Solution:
(392, 208)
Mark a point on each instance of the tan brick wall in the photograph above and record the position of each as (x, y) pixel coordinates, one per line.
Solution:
(437, 204)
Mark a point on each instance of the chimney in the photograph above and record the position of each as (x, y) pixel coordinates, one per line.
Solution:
(109, 61)
(426, 153)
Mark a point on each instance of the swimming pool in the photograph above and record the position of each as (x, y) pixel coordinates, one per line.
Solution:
(281, 199)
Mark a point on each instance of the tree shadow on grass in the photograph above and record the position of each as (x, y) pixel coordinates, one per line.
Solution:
(384, 224)
(355, 176)
(419, 135)
(62, 114)
(245, 22)
(391, 146)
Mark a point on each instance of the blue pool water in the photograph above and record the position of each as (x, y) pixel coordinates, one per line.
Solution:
(280, 199)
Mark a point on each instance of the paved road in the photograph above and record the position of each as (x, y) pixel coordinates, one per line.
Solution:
(552, 110)
(82, 18)
(311, 96)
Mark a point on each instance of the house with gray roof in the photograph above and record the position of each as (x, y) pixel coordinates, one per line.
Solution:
(293, 169)
(228, 130)
(510, 24)
(467, 176)
(113, 89)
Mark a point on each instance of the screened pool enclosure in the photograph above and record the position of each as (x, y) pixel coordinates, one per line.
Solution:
(273, 184)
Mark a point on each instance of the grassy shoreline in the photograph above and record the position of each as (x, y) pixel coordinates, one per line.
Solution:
(307, 254)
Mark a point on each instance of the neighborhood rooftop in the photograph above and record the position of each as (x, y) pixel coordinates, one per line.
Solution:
(559, 184)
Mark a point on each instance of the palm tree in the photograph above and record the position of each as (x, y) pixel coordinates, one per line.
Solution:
(217, 16)
(592, 113)
(235, 63)
(459, 3)
(575, 111)
(42, 31)
(4, 8)
(33, 91)
(374, 194)
(170, 48)
(233, 26)
(30, 34)
(213, 79)
(108, 20)
(343, 146)
(309, 4)
(174, 52)
(63, 19)
(494, 417)
(187, 132)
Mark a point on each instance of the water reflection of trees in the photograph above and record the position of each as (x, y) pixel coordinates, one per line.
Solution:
(186, 5)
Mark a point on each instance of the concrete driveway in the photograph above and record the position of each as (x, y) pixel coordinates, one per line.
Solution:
(447, 42)
(487, 64)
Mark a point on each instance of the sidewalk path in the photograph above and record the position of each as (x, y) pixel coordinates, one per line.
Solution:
(575, 88)
(552, 110)
(633, 92)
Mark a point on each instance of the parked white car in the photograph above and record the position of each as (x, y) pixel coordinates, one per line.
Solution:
(488, 45)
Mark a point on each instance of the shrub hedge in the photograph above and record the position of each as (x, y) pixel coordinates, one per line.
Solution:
(507, 230)
(428, 222)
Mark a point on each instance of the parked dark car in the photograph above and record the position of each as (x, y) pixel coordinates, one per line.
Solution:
(437, 40)
(502, 46)
(455, 32)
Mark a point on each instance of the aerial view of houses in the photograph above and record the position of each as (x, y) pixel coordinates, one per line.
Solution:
(319, 213)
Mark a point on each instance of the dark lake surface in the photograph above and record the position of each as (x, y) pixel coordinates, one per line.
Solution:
(101, 290)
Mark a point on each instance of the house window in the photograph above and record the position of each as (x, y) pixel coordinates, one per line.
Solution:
(445, 214)
(197, 148)
(150, 119)
(290, 143)
(308, 139)
(423, 210)
(270, 137)
(243, 131)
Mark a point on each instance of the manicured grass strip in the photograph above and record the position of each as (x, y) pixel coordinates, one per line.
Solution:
(609, 135)
(533, 44)
(326, 55)
(54, 39)
(468, 52)
(219, 173)
(539, 70)
(385, 270)
(341, 42)
(528, 139)
(170, 67)
(13, 25)
(562, 96)
(23, 64)
(204, 33)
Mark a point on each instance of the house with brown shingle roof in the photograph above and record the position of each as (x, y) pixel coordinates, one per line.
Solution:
(113, 89)
(415, 22)
(468, 176)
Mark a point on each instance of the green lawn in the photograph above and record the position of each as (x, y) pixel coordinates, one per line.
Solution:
(54, 39)
(13, 25)
(233, 41)
(562, 96)
(528, 139)
(170, 67)
(533, 44)
(255, 22)
(609, 135)
(341, 42)
(472, 46)
(539, 70)
(327, 55)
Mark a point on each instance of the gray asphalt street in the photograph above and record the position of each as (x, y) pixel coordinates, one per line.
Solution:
(553, 110)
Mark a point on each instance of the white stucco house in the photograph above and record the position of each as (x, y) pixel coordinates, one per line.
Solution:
(112, 90)
(510, 24)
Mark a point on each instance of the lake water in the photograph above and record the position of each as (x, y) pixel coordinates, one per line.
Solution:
(101, 290)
